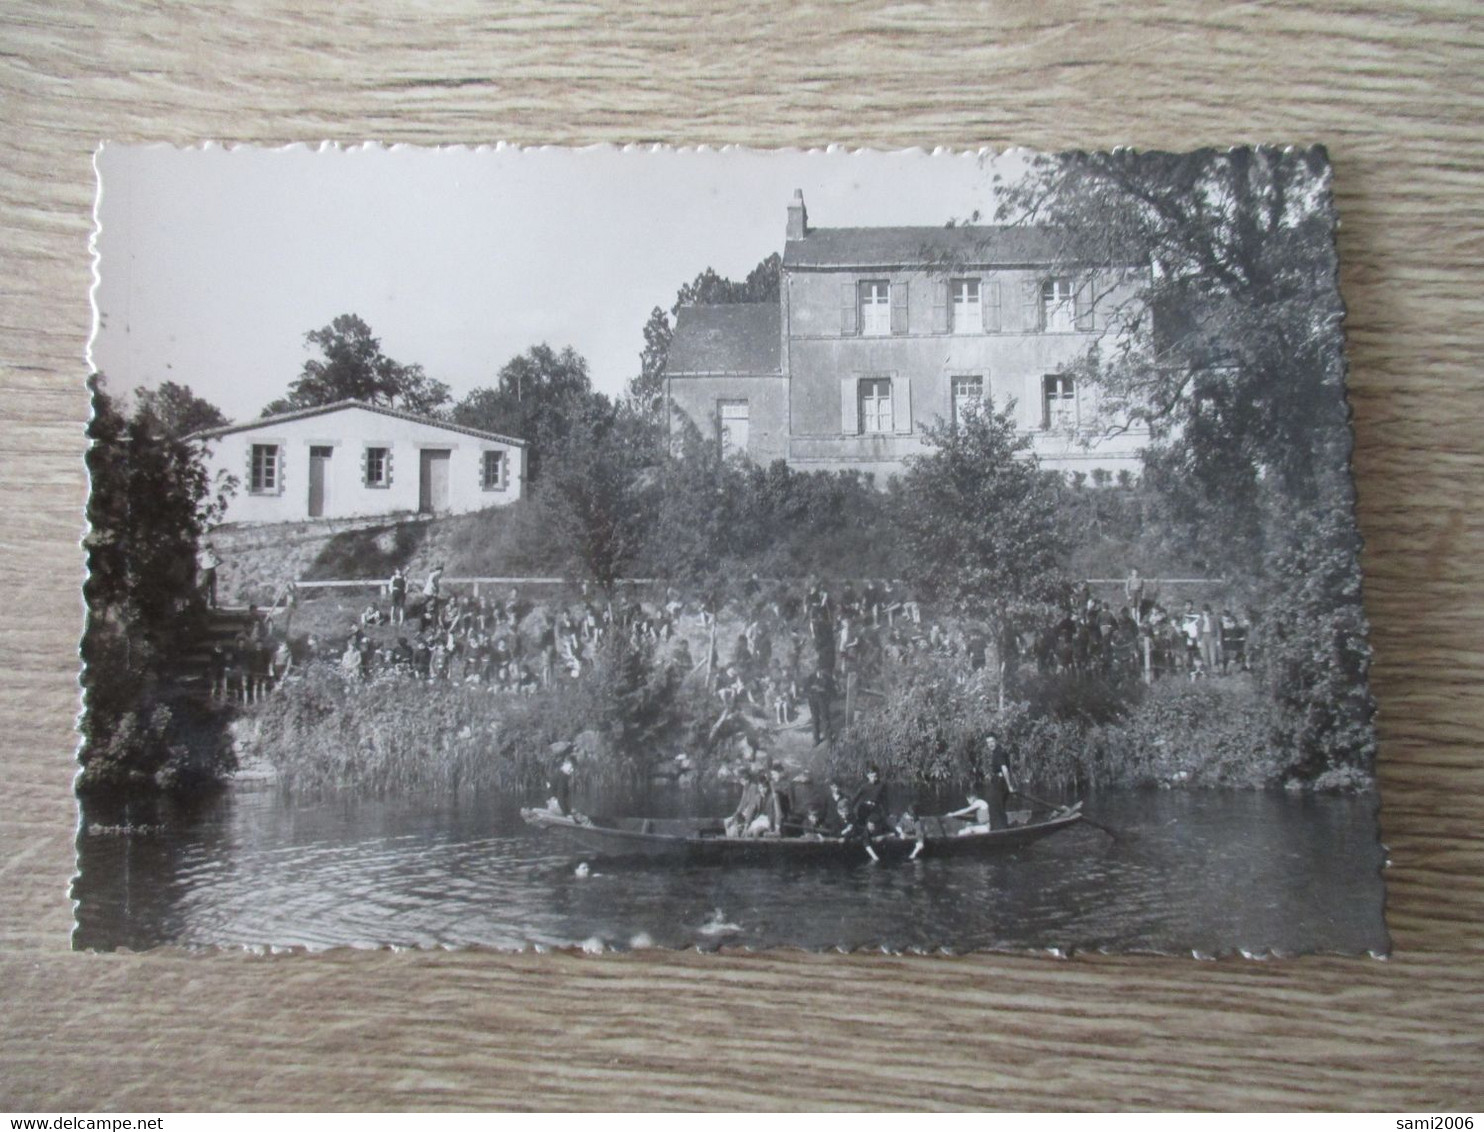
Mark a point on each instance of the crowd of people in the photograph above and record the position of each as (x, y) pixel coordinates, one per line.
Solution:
(773, 652)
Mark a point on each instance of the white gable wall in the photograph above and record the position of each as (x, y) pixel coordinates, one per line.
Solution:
(348, 433)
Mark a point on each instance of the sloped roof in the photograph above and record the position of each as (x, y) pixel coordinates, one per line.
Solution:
(726, 338)
(338, 406)
(967, 246)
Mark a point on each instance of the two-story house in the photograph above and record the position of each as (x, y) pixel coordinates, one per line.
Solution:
(879, 331)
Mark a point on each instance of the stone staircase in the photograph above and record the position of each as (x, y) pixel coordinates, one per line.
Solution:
(190, 671)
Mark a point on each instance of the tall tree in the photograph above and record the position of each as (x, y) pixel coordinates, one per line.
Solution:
(351, 366)
(535, 397)
(760, 286)
(1239, 373)
(978, 516)
(176, 411)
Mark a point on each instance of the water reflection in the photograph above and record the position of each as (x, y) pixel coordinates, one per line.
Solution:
(1193, 872)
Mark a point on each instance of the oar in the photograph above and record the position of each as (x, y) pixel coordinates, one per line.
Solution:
(1113, 833)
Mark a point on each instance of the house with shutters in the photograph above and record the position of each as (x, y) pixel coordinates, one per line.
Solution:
(880, 331)
(353, 459)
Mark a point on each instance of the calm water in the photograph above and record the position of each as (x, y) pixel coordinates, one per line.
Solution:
(1194, 872)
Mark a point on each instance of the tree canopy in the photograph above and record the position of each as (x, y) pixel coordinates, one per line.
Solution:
(978, 516)
(1239, 372)
(351, 366)
(174, 411)
(536, 397)
(760, 286)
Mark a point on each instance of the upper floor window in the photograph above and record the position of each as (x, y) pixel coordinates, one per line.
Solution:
(966, 306)
(1059, 304)
(264, 475)
(733, 425)
(492, 471)
(875, 307)
(968, 397)
(875, 405)
(378, 467)
(1059, 402)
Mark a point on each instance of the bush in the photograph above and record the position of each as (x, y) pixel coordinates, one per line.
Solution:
(397, 734)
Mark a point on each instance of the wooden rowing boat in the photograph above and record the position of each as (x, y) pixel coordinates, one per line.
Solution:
(704, 840)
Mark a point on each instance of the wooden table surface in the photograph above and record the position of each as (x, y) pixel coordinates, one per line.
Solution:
(1395, 90)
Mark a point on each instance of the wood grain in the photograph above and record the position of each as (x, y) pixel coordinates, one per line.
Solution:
(1395, 90)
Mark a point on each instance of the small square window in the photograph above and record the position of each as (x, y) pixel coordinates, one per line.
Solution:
(264, 477)
(378, 467)
(492, 471)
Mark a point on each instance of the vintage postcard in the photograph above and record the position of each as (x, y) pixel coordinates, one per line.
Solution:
(637, 548)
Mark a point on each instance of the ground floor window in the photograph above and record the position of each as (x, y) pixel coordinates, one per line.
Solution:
(264, 476)
(1059, 402)
(968, 395)
(378, 467)
(733, 426)
(875, 405)
(492, 473)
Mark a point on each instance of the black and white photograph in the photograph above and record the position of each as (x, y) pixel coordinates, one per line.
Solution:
(623, 548)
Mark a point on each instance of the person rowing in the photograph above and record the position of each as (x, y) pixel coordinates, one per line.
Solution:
(975, 814)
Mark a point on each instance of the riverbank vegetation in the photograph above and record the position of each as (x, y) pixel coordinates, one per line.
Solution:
(993, 629)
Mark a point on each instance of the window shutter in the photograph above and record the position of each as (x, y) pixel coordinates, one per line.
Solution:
(365, 466)
(280, 455)
(899, 308)
(1082, 311)
(940, 306)
(901, 404)
(850, 410)
(1035, 310)
(849, 309)
(389, 465)
(989, 292)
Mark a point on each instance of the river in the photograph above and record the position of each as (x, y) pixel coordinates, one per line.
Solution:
(1191, 872)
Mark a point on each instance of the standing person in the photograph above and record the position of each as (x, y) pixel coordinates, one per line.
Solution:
(397, 587)
(869, 817)
(820, 690)
(207, 563)
(1210, 641)
(432, 589)
(998, 786)
(1133, 589)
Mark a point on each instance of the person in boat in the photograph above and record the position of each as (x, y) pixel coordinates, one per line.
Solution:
(840, 803)
(868, 807)
(1000, 786)
(868, 812)
(816, 824)
(975, 814)
(910, 828)
(751, 808)
(559, 789)
(779, 804)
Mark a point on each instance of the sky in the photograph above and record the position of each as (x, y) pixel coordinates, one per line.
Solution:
(212, 264)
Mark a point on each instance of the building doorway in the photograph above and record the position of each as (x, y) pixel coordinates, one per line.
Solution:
(432, 494)
(319, 460)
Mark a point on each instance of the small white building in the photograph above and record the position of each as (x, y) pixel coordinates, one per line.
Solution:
(354, 459)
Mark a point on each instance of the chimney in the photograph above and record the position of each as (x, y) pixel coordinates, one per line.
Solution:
(798, 217)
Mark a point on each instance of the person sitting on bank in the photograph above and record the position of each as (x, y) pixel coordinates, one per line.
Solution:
(976, 814)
